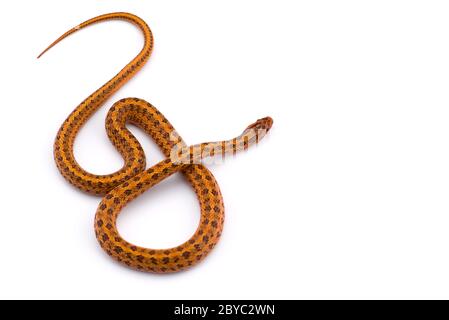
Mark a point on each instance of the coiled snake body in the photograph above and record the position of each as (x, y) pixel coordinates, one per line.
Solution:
(124, 185)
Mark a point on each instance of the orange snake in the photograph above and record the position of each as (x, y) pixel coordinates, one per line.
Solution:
(124, 185)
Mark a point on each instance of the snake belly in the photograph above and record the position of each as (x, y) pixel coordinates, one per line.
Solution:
(124, 185)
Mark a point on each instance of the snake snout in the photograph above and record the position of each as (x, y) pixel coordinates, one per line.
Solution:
(262, 124)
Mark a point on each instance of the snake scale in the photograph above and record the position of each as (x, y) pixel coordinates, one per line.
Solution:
(124, 185)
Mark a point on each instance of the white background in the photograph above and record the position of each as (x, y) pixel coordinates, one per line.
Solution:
(348, 196)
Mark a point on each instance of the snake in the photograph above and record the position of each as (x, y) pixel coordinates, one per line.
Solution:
(134, 178)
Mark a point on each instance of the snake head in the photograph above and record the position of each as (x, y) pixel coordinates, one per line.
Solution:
(261, 124)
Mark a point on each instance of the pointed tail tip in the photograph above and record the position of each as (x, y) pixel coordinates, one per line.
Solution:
(59, 40)
(42, 53)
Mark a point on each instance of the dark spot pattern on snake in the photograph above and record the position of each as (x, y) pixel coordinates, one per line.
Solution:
(121, 187)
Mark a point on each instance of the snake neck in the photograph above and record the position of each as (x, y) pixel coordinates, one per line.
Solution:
(195, 154)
